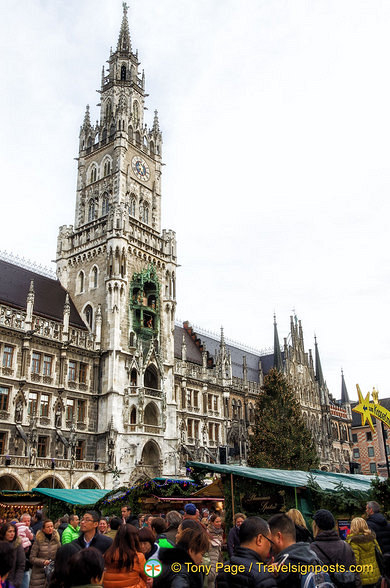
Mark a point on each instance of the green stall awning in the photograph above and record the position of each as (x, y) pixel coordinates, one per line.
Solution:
(76, 496)
(293, 478)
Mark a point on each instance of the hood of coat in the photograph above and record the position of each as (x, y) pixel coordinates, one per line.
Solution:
(298, 552)
(331, 535)
(41, 537)
(378, 519)
(363, 541)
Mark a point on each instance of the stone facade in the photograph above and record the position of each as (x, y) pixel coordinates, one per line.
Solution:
(148, 394)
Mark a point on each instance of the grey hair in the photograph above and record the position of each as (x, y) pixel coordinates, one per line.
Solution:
(374, 506)
(173, 518)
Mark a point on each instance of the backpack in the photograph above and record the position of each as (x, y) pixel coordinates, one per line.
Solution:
(316, 580)
(345, 579)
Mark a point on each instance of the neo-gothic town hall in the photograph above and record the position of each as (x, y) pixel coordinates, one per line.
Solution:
(96, 376)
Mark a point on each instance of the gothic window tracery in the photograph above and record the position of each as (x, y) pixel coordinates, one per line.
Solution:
(91, 210)
(132, 206)
(94, 277)
(105, 204)
(88, 313)
(81, 282)
(123, 73)
(93, 174)
(107, 168)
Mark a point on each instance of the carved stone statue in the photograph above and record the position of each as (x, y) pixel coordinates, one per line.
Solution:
(126, 408)
(19, 411)
(58, 417)
(33, 456)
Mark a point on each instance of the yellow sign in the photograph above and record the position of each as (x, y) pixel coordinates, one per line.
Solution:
(371, 409)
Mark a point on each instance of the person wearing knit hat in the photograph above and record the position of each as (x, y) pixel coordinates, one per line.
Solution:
(324, 520)
(329, 547)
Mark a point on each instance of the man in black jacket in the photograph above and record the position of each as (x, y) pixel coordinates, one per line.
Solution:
(377, 523)
(90, 537)
(289, 554)
(250, 555)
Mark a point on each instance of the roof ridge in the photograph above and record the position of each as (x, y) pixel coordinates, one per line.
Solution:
(232, 342)
(27, 264)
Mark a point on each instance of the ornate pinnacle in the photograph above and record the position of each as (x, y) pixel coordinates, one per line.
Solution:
(156, 126)
(124, 43)
(66, 305)
(87, 120)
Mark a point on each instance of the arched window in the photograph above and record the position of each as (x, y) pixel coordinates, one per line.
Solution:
(105, 204)
(104, 136)
(107, 168)
(88, 313)
(151, 378)
(93, 176)
(130, 131)
(112, 131)
(146, 214)
(151, 414)
(123, 73)
(138, 138)
(151, 148)
(132, 207)
(133, 375)
(133, 416)
(91, 211)
(94, 276)
(81, 282)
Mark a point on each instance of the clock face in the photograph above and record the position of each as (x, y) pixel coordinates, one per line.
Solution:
(141, 168)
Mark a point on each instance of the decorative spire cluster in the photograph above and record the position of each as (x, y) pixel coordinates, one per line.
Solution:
(124, 43)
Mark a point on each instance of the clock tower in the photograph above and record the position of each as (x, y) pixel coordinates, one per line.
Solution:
(120, 269)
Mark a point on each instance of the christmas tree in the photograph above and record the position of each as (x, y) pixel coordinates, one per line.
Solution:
(280, 438)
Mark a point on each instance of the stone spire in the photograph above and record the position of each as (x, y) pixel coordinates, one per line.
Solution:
(278, 361)
(156, 125)
(124, 43)
(319, 374)
(344, 391)
(87, 119)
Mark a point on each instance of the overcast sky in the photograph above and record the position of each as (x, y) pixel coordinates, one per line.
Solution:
(276, 126)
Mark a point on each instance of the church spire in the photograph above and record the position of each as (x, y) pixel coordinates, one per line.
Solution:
(319, 374)
(278, 362)
(124, 43)
(344, 391)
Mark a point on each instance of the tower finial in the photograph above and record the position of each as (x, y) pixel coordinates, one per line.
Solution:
(278, 360)
(124, 43)
(87, 118)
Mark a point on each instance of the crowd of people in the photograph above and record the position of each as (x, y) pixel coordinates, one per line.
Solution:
(190, 545)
